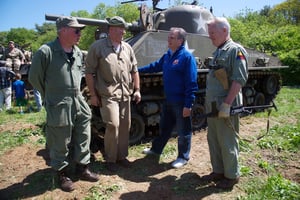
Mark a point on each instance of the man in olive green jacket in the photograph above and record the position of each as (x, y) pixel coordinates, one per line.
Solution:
(56, 71)
(227, 75)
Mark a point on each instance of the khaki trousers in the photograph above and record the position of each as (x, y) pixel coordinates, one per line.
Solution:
(13, 64)
(117, 117)
(223, 144)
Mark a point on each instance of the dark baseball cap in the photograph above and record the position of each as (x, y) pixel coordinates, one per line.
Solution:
(117, 21)
(68, 22)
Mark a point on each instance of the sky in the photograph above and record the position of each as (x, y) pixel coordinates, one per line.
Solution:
(27, 13)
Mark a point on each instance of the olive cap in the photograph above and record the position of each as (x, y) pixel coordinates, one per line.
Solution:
(68, 22)
(117, 22)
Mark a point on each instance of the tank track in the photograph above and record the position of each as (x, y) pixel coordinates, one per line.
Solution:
(266, 85)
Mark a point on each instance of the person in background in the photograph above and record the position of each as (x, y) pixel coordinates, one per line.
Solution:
(6, 77)
(228, 73)
(112, 76)
(38, 99)
(14, 57)
(56, 72)
(180, 84)
(19, 90)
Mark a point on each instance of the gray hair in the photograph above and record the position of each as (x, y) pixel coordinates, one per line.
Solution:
(220, 23)
(181, 33)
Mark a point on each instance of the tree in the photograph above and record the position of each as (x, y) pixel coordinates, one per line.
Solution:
(273, 31)
(46, 27)
(21, 36)
(265, 11)
(290, 9)
(3, 36)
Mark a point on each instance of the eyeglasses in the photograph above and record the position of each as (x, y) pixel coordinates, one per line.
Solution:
(172, 38)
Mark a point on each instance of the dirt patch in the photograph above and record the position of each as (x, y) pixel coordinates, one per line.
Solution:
(13, 127)
(25, 173)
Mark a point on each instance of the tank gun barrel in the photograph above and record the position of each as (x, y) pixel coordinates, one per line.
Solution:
(132, 27)
(130, 1)
(86, 21)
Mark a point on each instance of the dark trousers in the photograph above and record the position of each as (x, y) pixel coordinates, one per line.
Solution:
(172, 117)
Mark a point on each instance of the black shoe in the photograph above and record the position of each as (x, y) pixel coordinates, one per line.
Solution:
(212, 177)
(227, 184)
(124, 163)
(66, 183)
(111, 166)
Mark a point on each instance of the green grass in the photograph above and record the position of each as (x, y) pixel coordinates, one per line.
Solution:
(274, 187)
(28, 117)
(288, 103)
(9, 140)
(101, 192)
(281, 138)
(21, 135)
(283, 143)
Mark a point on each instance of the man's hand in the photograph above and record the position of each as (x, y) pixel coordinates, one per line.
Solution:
(224, 110)
(186, 112)
(95, 101)
(137, 96)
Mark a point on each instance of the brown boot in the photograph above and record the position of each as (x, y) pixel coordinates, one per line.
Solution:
(65, 182)
(111, 166)
(227, 183)
(212, 177)
(85, 174)
(124, 163)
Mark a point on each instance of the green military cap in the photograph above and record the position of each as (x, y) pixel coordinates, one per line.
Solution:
(68, 22)
(117, 21)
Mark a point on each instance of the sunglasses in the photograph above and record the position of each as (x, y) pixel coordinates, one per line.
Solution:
(77, 31)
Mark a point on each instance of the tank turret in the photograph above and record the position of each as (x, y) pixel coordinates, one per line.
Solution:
(149, 43)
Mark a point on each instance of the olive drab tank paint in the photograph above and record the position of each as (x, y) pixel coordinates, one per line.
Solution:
(149, 42)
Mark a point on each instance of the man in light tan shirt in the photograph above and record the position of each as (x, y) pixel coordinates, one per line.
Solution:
(112, 77)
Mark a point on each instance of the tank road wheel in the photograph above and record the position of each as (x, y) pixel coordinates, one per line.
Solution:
(137, 129)
(270, 85)
(259, 100)
(97, 131)
(197, 121)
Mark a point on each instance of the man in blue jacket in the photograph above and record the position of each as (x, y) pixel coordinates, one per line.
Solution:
(180, 84)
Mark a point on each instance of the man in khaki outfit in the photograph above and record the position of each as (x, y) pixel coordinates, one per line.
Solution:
(112, 77)
(14, 57)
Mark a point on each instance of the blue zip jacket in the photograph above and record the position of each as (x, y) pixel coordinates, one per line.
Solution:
(179, 75)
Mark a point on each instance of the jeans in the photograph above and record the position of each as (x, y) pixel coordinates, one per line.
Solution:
(38, 99)
(172, 117)
(5, 97)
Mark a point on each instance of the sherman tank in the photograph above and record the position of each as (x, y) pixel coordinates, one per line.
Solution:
(149, 42)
